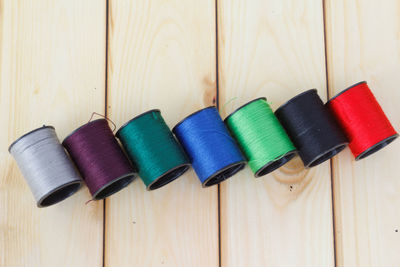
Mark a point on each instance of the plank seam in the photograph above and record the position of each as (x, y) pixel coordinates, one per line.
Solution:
(331, 160)
(105, 113)
(217, 104)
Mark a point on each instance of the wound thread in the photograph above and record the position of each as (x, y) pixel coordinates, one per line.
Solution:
(312, 128)
(99, 158)
(154, 150)
(214, 154)
(362, 119)
(45, 165)
(260, 136)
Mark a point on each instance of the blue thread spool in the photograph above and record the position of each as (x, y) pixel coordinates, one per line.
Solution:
(213, 152)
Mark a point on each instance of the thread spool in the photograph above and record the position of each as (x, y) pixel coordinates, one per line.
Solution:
(99, 158)
(312, 128)
(260, 136)
(45, 165)
(362, 119)
(152, 147)
(214, 154)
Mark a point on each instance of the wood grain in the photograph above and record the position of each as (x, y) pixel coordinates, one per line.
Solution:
(52, 59)
(275, 49)
(161, 55)
(364, 44)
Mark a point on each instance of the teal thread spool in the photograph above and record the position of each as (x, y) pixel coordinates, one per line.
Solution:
(261, 137)
(152, 147)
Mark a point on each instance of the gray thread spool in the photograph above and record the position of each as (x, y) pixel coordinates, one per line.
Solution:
(46, 166)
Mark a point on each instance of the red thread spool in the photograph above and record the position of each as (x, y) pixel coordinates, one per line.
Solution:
(362, 119)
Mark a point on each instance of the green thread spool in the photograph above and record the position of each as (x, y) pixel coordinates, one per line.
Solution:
(261, 137)
(151, 146)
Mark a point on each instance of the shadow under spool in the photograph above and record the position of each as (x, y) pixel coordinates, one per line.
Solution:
(99, 158)
(45, 166)
(260, 136)
(312, 128)
(152, 147)
(214, 154)
(362, 119)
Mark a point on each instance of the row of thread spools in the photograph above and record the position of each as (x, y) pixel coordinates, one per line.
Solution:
(216, 149)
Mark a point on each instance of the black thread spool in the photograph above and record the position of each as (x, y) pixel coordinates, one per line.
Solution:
(312, 128)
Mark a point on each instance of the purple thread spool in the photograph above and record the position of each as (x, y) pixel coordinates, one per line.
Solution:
(99, 158)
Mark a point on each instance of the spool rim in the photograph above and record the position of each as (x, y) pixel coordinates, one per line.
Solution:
(378, 146)
(134, 118)
(275, 164)
(345, 90)
(242, 106)
(190, 115)
(81, 127)
(230, 170)
(330, 153)
(120, 183)
(175, 173)
(295, 98)
(76, 185)
(28, 133)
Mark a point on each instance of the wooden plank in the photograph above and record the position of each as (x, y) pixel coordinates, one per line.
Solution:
(161, 55)
(52, 62)
(363, 44)
(273, 48)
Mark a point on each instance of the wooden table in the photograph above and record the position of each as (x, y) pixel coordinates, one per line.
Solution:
(63, 60)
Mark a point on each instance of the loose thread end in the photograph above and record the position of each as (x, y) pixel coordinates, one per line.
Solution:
(109, 120)
(90, 200)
